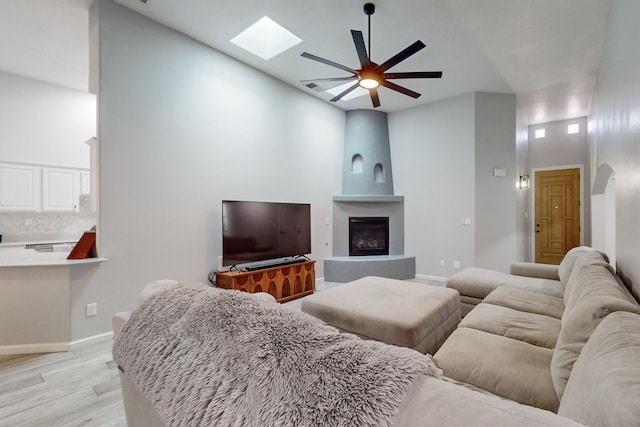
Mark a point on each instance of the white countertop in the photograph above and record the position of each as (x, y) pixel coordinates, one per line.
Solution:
(20, 257)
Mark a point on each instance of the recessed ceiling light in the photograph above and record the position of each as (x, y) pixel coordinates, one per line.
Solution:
(266, 39)
(357, 92)
(573, 128)
(540, 133)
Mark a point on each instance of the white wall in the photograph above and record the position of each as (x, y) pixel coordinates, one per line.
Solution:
(183, 127)
(433, 156)
(45, 124)
(614, 131)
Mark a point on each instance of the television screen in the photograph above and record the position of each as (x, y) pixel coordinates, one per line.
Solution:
(259, 231)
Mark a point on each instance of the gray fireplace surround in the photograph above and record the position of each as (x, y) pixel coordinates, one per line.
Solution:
(367, 186)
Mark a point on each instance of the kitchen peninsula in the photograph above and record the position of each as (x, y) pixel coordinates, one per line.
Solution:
(36, 298)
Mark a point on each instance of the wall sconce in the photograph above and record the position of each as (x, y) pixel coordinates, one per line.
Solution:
(523, 182)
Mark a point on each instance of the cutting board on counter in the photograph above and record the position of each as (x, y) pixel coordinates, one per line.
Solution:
(85, 248)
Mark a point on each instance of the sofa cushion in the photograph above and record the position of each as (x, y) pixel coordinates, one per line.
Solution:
(528, 301)
(506, 367)
(532, 269)
(475, 282)
(434, 402)
(598, 295)
(576, 284)
(536, 329)
(604, 385)
(566, 265)
(480, 282)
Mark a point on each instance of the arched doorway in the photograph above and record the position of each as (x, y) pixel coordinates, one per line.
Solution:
(603, 212)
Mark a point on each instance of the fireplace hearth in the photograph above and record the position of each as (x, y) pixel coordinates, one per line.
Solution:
(368, 236)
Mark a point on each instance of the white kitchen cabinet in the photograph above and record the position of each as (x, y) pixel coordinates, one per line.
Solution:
(85, 178)
(60, 190)
(20, 188)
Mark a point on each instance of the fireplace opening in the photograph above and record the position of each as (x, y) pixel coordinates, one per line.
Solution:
(368, 236)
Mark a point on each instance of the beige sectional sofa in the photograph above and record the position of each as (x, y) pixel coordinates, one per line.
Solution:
(428, 400)
(525, 339)
(525, 355)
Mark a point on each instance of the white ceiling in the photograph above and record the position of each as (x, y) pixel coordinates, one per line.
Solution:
(545, 51)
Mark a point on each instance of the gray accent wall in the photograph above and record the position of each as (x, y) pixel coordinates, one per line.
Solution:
(367, 137)
(444, 155)
(522, 204)
(496, 196)
(433, 153)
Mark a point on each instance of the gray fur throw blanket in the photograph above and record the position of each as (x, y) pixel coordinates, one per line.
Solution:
(210, 357)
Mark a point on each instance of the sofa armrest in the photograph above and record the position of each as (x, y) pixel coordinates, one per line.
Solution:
(532, 269)
(436, 402)
(117, 322)
(264, 296)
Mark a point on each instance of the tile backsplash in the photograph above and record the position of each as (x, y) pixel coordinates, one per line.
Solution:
(37, 226)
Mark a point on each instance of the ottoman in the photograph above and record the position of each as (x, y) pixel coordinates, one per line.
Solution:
(396, 312)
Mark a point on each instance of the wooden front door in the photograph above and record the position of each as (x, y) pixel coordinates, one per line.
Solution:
(557, 218)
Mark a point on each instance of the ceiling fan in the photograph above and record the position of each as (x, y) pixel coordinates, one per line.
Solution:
(371, 75)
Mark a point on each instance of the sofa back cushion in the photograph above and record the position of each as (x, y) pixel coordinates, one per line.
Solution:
(598, 295)
(566, 265)
(578, 280)
(604, 385)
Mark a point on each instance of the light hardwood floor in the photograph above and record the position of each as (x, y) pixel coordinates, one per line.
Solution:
(76, 388)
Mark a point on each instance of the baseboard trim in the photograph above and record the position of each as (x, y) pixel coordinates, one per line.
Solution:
(84, 342)
(434, 278)
(53, 347)
(49, 347)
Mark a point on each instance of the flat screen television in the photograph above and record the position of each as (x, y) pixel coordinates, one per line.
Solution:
(259, 231)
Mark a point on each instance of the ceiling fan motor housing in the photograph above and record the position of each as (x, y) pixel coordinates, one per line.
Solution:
(369, 9)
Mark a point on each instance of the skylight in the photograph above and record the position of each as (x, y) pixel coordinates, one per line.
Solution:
(357, 92)
(540, 133)
(573, 128)
(266, 39)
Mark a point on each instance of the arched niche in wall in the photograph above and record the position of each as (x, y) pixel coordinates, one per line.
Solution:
(603, 212)
(378, 173)
(356, 163)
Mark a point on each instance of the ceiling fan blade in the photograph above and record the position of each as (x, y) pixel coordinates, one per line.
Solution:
(326, 61)
(361, 49)
(329, 79)
(374, 97)
(400, 89)
(414, 75)
(346, 91)
(404, 54)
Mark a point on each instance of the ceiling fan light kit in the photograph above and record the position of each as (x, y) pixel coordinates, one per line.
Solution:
(371, 75)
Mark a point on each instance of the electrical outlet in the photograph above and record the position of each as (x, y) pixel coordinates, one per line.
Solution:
(92, 309)
(457, 264)
(442, 264)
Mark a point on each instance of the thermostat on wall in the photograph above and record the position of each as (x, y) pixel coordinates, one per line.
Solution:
(499, 172)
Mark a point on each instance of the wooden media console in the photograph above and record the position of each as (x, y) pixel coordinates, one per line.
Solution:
(285, 282)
